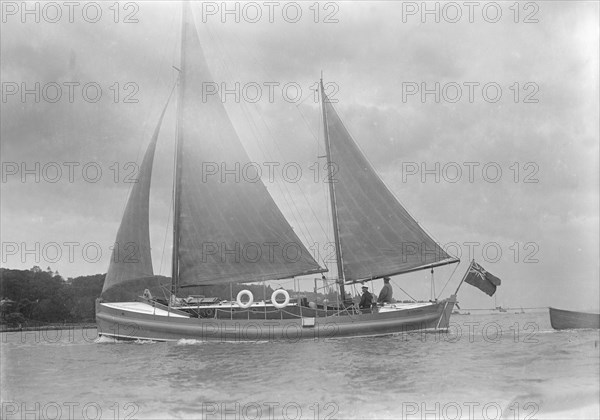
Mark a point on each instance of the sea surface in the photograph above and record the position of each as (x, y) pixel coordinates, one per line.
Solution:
(501, 365)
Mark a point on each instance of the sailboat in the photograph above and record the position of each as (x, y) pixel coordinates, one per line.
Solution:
(498, 308)
(561, 319)
(231, 232)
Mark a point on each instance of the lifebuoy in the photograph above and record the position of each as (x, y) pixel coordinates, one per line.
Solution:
(248, 293)
(207, 313)
(277, 293)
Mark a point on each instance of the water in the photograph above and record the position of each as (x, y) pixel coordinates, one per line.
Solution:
(494, 366)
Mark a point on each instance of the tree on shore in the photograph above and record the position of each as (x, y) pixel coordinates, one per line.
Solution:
(44, 296)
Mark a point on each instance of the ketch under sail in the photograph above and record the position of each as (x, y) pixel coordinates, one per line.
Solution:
(227, 229)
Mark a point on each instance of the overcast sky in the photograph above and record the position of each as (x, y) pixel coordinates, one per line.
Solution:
(540, 211)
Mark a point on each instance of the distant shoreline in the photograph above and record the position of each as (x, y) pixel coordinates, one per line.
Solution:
(79, 325)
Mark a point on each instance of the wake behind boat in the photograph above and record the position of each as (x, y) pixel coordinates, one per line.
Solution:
(561, 319)
(228, 232)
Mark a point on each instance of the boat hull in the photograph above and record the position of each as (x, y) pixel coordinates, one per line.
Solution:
(118, 322)
(564, 320)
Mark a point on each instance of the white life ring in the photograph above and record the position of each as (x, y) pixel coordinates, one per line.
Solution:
(277, 293)
(248, 293)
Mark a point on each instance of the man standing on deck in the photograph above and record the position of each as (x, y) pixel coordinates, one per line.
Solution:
(366, 300)
(385, 296)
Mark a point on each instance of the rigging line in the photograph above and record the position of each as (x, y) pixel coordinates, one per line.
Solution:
(309, 127)
(326, 231)
(174, 54)
(163, 288)
(303, 100)
(322, 184)
(325, 191)
(385, 184)
(256, 134)
(289, 201)
(287, 189)
(171, 205)
(310, 130)
(304, 195)
(414, 300)
(166, 234)
(332, 194)
(447, 281)
(146, 125)
(265, 70)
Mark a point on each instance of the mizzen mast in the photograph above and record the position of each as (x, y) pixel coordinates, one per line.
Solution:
(330, 180)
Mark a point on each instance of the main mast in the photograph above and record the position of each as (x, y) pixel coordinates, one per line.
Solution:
(178, 149)
(336, 235)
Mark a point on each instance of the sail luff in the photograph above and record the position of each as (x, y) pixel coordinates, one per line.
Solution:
(331, 182)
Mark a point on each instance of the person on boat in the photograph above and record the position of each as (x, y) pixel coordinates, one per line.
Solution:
(366, 300)
(385, 295)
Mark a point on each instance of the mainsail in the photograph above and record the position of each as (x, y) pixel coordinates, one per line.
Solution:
(230, 229)
(377, 236)
(131, 258)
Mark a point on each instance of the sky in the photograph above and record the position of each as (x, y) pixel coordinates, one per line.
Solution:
(483, 122)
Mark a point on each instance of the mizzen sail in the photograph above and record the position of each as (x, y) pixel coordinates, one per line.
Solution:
(377, 236)
(230, 229)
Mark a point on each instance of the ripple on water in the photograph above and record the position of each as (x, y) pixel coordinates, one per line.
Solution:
(369, 377)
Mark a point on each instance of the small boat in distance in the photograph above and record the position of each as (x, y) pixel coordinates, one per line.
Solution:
(498, 308)
(565, 320)
(457, 312)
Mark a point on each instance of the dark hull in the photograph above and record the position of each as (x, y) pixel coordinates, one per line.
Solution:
(564, 320)
(123, 324)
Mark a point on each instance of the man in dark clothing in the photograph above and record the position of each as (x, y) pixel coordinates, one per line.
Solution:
(366, 300)
(385, 296)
